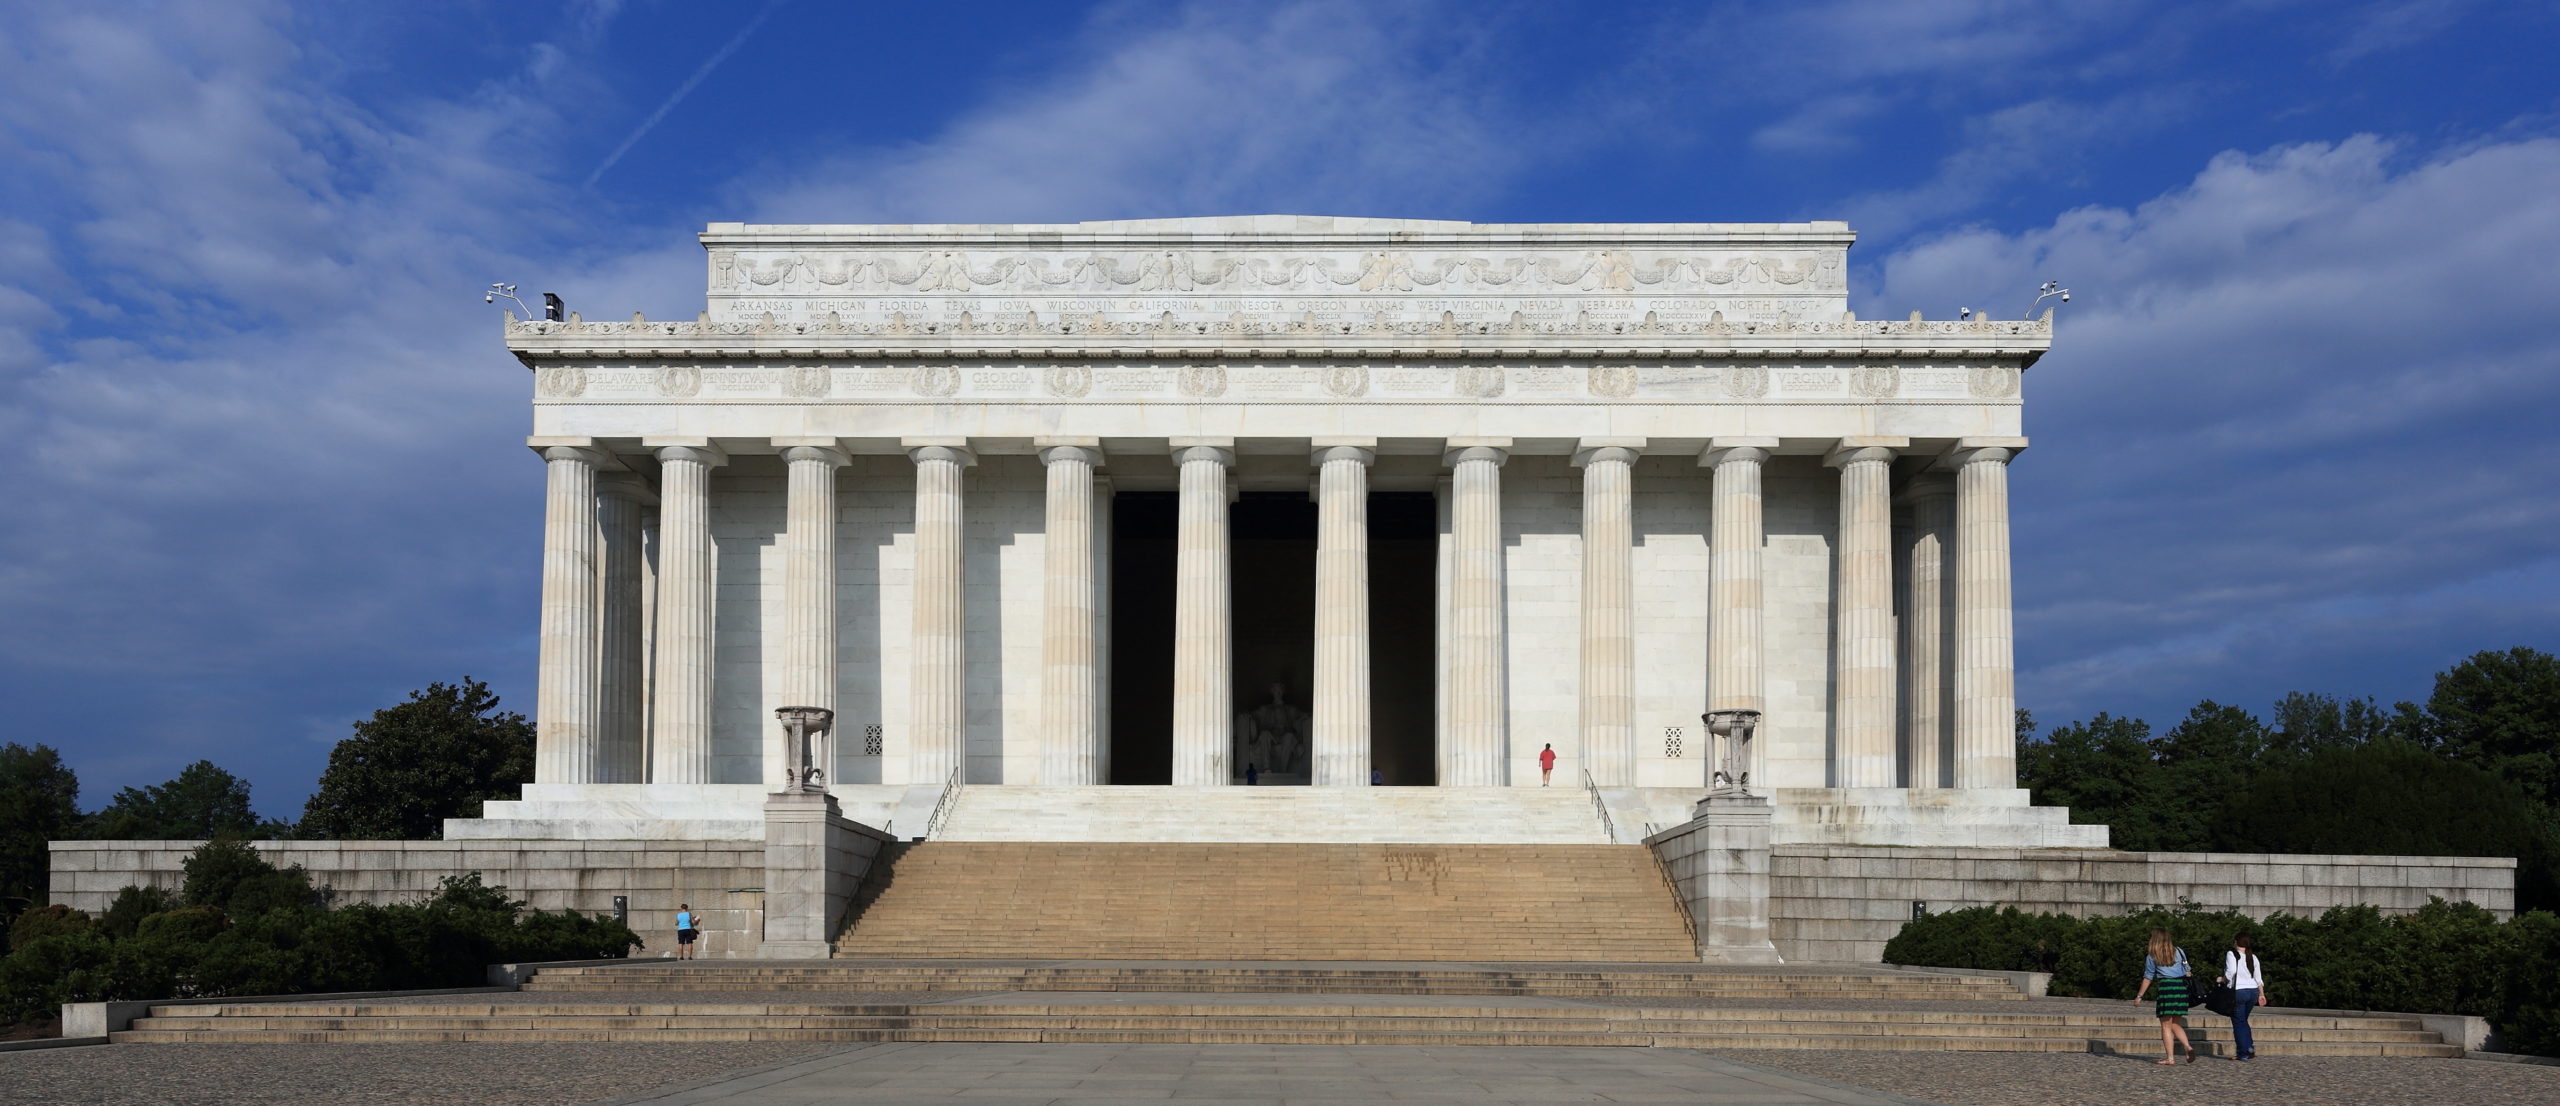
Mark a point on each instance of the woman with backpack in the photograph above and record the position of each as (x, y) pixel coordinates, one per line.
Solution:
(2167, 966)
(2248, 982)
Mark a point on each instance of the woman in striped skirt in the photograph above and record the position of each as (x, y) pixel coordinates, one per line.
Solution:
(2167, 967)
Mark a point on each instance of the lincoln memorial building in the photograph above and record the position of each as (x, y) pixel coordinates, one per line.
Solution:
(1288, 501)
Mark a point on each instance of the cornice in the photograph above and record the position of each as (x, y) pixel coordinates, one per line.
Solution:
(1032, 338)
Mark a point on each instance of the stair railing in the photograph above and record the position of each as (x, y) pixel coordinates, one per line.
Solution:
(943, 806)
(1606, 826)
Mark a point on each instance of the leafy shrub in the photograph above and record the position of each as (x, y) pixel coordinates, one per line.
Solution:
(217, 868)
(2447, 958)
(46, 921)
(274, 938)
(132, 905)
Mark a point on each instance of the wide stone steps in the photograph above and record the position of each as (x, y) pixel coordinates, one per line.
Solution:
(1340, 815)
(1258, 901)
(1212, 1023)
(1697, 983)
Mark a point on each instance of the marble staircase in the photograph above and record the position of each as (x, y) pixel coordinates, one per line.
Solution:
(1685, 1007)
(1228, 901)
(1338, 815)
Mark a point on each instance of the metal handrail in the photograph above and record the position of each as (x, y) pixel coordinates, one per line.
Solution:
(1606, 826)
(943, 806)
(1671, 883)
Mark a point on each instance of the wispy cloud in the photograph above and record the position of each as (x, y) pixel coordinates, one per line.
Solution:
(2295, 426)
(683, 90)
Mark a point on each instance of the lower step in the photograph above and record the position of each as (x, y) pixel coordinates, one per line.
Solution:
(1898, 1043)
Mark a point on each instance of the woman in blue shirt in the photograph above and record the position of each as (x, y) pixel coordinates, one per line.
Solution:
(684, 931)
(2167, 966)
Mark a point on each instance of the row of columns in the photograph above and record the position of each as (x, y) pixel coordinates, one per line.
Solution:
(593, 657)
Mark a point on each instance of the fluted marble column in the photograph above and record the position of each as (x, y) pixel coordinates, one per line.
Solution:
(1926, 678)
(680, 711)
(1341, 716)
(1985, 679)
(567, 711)
(1736, 671)
(1479, 724)
(1862, 708)
(1070, 672)
(621, 666)
(937, 637)
(1608, 609)
(808, 588)
(1203, 651)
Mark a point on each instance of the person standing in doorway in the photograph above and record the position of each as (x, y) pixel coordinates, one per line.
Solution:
(2167, 966)
(2248, 982)
(1546, 765)
(684, 931)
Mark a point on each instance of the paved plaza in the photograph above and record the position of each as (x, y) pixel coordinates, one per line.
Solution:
(893, 1074)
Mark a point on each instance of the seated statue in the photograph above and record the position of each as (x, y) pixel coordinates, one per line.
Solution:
(1282, 729)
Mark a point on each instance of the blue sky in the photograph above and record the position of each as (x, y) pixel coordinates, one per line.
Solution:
(263, 452)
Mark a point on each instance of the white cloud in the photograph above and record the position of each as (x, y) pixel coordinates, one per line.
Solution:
(2291, 402)
(1313, 108)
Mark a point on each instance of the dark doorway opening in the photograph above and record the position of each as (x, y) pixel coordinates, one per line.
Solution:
(1404, 543)
(1272, 542)
(1142, 554)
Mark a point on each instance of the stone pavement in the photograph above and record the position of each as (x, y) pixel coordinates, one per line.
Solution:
(2079, 1079)
(375, 1075)
(1239, 1075)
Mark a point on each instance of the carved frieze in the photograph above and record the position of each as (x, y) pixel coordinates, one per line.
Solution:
(1344, 380)
(1605, 270)
(560, 381)
(936, 381)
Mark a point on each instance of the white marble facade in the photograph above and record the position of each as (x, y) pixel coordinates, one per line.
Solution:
(888, 406)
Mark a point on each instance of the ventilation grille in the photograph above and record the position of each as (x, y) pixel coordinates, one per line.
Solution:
(871, 740)
(1671, 742)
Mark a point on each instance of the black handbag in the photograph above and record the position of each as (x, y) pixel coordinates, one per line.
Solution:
(2219, 998)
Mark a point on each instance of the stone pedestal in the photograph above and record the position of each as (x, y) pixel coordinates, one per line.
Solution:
(1719, 865)
(814, 858)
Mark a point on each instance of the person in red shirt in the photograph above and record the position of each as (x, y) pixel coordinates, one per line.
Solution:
(1546, 765)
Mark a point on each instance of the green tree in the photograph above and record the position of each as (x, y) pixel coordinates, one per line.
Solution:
(2102, 769)
(2204, 760)
(39, 802)
(2501, 711)
(202, 802)
(2394, 798)
(438, 755)
(2305, 723)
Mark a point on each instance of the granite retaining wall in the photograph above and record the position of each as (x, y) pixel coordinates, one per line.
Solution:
(723, 880)
(1843, 902)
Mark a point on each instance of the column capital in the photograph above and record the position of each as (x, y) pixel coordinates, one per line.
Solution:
(1968, 450)
(593, 457)
(1721, 450)
(1933, 483)
(954, 450)
(1455, 451)
(698, 450)
(829, 450)
(1054, 450)
(1363, 450)
(1622, 450)
(1858, 450)
(1221, 450)
(626, 486)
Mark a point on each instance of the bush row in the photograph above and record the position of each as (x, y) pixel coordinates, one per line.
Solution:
(2448, 958)
(241, 926)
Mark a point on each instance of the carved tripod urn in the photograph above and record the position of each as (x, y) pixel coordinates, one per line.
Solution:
(805, 749)
(1731, 771)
